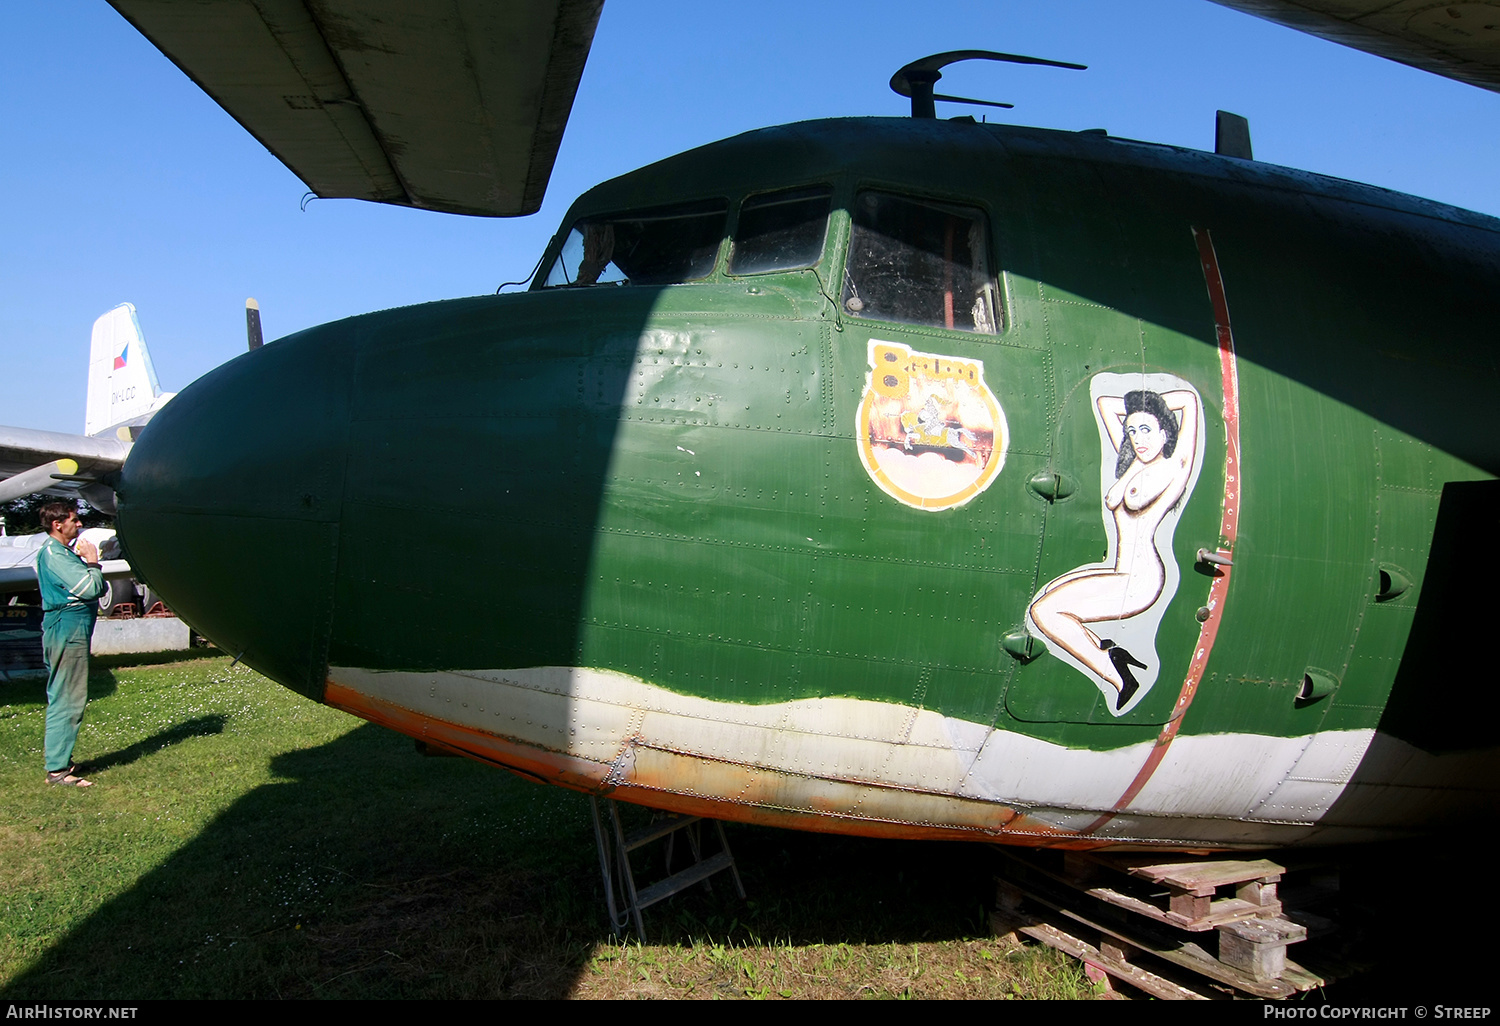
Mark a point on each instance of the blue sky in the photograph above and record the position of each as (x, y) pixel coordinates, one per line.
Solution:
(125, 183)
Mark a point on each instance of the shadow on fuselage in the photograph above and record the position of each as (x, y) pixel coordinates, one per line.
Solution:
(1380, 301)
(412, 489)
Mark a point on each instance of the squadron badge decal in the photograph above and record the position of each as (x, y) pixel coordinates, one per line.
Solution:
(930, 431)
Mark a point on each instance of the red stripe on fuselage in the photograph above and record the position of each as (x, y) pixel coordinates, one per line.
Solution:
(1228, 527)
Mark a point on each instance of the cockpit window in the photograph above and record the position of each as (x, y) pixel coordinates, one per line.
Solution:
(781, 231)
(663, 246)
(919, 262)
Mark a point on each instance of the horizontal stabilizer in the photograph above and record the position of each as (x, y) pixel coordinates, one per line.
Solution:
(31, 447)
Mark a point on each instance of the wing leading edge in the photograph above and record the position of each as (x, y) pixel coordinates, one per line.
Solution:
(456, 106)
(1459, 41)
(460, 105)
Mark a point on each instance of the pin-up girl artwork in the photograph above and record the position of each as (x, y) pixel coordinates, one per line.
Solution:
(1102, 618)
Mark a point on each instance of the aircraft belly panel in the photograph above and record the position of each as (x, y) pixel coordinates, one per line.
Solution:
(855, 765)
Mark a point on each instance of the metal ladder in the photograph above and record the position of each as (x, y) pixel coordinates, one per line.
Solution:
(618, 850)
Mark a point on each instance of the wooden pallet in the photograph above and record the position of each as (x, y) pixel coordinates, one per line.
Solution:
(1187, 893)
(1141, 920)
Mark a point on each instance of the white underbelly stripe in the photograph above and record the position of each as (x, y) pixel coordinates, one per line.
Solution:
(916, 755)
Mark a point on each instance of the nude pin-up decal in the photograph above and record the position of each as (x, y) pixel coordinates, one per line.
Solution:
(1102, 618)
(930, 431)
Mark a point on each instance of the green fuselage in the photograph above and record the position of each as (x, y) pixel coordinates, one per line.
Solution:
(665, 481)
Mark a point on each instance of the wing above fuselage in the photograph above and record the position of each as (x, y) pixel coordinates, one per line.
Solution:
(459, 108)
(462, 109)
(1456, 41)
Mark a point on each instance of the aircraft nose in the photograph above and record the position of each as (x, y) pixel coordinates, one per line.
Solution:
(229, 503)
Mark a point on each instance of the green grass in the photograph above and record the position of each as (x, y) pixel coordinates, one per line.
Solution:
(243, 842)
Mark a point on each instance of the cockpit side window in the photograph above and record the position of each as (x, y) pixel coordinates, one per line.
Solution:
(919, 262)
(663, 246)
(781, 231)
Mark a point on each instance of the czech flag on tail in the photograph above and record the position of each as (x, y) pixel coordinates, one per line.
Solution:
(122, 382)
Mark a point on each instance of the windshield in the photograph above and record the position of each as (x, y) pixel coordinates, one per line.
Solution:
(919, 262)
(663, 246)
(781, 231)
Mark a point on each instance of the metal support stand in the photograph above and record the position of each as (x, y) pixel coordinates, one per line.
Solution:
(615, 847)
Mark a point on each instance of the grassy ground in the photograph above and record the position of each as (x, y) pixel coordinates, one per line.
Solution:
(243, 842)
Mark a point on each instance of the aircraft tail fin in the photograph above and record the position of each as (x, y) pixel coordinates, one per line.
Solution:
(122, 382)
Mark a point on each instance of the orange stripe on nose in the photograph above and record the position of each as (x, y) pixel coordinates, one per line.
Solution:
(677, 782)
(526, 760)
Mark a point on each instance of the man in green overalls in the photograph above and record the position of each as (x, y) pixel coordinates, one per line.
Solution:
(71, 583)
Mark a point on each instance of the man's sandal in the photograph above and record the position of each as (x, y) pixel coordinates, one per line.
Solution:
(66, 778)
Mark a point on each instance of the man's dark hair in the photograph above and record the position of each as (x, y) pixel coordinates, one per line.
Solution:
(55, 511)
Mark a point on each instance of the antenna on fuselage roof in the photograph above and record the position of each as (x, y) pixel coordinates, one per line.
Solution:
(917, 78)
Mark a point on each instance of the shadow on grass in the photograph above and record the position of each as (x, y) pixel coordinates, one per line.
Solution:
(33, 690)
(203, 726)
(374, 873)
(102, 683)
(26, 691)
(133, 659)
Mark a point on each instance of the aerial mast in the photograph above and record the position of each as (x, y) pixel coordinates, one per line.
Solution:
(917, 78)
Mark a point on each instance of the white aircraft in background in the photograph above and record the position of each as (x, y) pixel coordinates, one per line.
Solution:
(123, 394)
